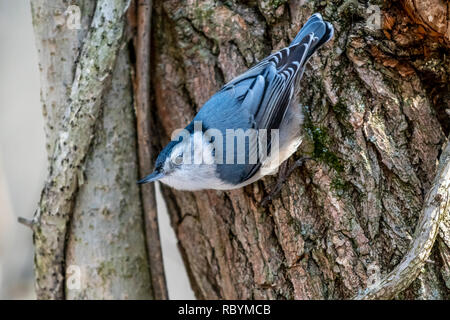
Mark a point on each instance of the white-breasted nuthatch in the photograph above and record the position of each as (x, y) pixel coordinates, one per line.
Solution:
(256, 104)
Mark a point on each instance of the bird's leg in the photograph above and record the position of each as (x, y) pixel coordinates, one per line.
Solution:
(284, 174)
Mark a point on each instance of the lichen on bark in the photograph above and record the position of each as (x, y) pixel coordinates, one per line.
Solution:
(106, 239)
(76, 67)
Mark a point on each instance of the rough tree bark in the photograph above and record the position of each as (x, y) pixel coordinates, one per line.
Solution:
(89, 222)
(375, 101)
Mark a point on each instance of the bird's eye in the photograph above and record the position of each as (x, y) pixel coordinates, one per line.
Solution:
(177, 160)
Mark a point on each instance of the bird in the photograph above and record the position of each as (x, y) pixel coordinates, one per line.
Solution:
(206, 153)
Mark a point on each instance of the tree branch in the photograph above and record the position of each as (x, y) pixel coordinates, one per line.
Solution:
(65, 172)
(143, 115)
(435, 210)
(26, 222)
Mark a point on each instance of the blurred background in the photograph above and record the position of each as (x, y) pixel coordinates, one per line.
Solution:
(23, 161)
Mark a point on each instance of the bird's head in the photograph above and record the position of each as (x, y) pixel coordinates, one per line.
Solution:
(185, 164)
(167, 163)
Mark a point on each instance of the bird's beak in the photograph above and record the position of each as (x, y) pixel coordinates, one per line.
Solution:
(155, 175)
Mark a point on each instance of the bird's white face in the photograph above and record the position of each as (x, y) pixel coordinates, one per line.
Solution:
(190, 166)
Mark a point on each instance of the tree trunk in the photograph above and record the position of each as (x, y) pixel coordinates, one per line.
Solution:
(89, 228)
(375, 101)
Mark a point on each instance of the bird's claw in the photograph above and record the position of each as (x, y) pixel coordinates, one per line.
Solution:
(282, 177)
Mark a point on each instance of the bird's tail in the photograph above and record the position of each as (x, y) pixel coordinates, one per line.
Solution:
(322, 30)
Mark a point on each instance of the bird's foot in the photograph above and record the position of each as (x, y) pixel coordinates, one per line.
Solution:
(284, 174)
